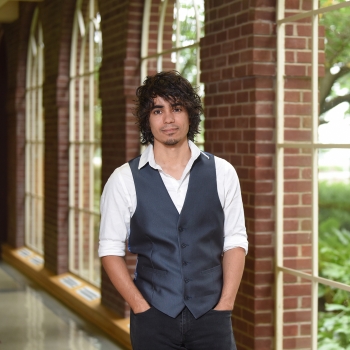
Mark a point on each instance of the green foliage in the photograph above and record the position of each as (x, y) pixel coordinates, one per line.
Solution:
(334, 264)
(334, 84)
(334, 328)
(334, 261)
(337, 33)
(187, 58)
(334, 202)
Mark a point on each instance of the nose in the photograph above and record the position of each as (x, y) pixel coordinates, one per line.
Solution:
(168, 117)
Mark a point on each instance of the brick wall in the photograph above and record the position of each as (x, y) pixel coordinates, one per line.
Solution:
(238, 68)
(57, 20)
(120, 73)
(3, 140)
(297, 172)
(16, 40)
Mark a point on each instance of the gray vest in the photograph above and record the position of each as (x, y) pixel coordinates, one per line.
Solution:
(179, 259)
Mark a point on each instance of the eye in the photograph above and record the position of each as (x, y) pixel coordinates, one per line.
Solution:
(157, 111)
(177, 109)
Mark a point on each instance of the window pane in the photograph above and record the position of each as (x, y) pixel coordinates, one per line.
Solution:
(334, 83)
(333, 319)
(96, 259)
(34, 147)
(97, 163)
(85, 147)
(334, 214)
(187, 64)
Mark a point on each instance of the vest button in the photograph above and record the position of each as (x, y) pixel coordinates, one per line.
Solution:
(187, 280)
(184, 263)
(180, 229)
(187, 297)
(183, 245)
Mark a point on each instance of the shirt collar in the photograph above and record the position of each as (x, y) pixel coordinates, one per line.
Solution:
(148, 156)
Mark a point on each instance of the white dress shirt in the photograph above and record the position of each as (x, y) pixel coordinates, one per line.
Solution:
(119, 201)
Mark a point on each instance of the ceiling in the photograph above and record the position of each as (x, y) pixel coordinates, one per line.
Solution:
(9, 10)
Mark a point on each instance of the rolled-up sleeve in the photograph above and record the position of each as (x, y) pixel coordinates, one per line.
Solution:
(230, 195)
(116, 209)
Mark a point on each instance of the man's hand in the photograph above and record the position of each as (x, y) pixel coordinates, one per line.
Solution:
(222, 306)
(119, 275)
(233, 265)
(142, 307)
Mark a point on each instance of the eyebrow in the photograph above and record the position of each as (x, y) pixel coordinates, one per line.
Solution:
(172, 105)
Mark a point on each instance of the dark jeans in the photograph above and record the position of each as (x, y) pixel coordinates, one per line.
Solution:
(153, 330)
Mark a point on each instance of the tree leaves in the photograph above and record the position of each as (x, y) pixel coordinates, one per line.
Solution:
(337, 54)
(334, 264)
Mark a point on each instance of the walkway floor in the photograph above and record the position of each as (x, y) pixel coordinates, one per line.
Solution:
(30, 319)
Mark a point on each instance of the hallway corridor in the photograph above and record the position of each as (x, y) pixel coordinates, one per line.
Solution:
(30, 319)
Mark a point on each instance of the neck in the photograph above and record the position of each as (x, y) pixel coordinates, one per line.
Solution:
(173, 159)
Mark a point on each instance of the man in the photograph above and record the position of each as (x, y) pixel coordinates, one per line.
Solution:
(181, 212)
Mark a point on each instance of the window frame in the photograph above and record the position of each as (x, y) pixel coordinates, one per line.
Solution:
(160, 52)
(314, 146)
(34, 139)
(145, 56)
(76, 208)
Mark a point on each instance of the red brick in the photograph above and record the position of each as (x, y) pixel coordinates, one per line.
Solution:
(297, 343)
(300, 264)
(297, 238)
(297, 212)
(290, 330)
(291, 173)
(295, 43)
(262, 28)
(290, 303)
(263, 331)
(296, 316)
(292, 122)
(306, 199)
(291, 199)
(306, 302)
(306, 225)
(290, 225)
(305, 329)
(297, 161)
(295, 70)
(290, 251)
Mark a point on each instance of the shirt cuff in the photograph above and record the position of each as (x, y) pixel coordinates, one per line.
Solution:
(236, 242)
(109, 247)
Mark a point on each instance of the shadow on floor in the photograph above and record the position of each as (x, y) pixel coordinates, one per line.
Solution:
(30, 319)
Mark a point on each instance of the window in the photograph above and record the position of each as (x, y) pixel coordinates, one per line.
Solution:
(85, 142)
(170, 40)
(313, 176)
(34, 145)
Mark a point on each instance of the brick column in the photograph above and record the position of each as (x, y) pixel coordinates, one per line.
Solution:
(121, 24)
(297, 186)
(57, 19)
(3, 141)
(16, 40)
(238, 69)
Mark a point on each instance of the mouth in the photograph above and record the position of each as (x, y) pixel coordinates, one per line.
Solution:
(169, 131)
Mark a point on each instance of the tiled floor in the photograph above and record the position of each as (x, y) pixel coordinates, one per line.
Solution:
(30, 319)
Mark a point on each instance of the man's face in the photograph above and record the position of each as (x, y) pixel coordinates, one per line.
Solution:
(169, 122)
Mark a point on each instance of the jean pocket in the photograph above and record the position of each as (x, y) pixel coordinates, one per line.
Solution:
(222, 311)
(142, 313)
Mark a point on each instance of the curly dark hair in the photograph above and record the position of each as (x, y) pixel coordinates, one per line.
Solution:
(174, 88)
